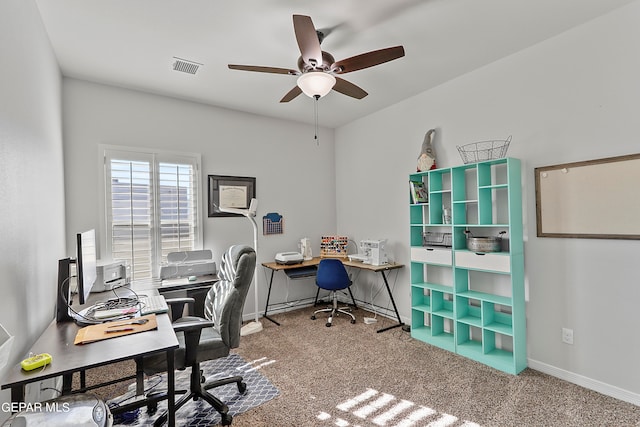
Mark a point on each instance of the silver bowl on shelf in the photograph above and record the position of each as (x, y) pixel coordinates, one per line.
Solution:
(484, 244)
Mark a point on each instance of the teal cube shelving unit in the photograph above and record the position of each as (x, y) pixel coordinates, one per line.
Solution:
(470, 303)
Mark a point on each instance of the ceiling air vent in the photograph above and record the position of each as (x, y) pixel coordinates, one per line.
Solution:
(185, 65)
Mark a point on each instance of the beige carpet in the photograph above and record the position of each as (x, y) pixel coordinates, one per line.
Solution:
(349, 375)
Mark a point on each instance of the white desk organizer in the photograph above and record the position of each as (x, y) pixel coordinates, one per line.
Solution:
(6, 342)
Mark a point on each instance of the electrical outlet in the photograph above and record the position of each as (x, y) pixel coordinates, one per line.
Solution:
(567, 336)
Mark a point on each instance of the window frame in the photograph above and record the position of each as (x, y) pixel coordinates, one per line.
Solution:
(154, 157)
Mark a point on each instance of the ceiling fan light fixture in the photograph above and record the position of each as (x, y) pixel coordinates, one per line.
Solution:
(316, 83)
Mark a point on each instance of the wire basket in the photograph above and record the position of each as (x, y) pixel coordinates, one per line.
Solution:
(484, 150)
(431, 238)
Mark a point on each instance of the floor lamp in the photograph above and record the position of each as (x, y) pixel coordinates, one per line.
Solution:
(250, 214)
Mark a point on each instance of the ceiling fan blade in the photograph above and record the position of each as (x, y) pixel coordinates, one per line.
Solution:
(258, 69)
(307, 40)
(349, 89)
(291, 94)
(324, 32)
(366, 60)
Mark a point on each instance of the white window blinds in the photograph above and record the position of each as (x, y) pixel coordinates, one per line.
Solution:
(152, 207)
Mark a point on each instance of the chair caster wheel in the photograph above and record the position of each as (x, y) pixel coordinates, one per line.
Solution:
(353, 321)
(152, 408)
(226, 419)
(313, 317)
(242, 387)
(328, 324)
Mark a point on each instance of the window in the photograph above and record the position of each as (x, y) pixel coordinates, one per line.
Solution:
(152, 207)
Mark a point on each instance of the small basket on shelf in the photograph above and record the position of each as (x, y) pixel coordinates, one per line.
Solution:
(484, 150)
(432, 238)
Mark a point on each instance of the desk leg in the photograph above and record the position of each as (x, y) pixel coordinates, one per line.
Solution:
(171, 389)
(17, 393)
(139, 377)
(400, 322)
(67, 382)
(266, 307)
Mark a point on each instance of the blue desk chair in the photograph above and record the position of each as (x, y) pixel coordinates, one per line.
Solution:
(333, 277)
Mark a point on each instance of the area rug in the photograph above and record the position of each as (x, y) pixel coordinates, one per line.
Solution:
(199, 413)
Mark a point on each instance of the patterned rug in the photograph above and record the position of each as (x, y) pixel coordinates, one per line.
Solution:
(199, 413)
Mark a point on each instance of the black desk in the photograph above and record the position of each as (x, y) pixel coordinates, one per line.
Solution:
(196, 289)
(308, 268)
(183, 283)
(57, 340)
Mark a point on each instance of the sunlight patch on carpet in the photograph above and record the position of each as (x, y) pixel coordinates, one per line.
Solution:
(383, 409)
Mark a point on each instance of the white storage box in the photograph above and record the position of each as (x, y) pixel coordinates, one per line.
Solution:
(496, 261)
(431, 255)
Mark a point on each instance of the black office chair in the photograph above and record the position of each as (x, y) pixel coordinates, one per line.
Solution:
(333, 277)
(206, 339)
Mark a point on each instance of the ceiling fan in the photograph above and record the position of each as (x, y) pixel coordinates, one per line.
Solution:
(317, 70)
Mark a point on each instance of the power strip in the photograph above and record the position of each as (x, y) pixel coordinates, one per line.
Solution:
(370, 320)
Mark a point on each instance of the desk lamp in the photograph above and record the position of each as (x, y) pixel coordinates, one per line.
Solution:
(250, 213)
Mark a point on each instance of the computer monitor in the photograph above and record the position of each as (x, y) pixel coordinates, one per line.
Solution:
(86, 263)
(86, 274)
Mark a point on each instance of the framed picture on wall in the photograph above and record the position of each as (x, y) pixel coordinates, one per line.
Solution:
(592, 199)
(230, 192)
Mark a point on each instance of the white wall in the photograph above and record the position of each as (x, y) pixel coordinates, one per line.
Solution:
(294, 176)
(570, 98)
(31, 177)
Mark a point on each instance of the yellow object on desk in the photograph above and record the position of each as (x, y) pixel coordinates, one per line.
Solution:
(105, 331)
(35, 362)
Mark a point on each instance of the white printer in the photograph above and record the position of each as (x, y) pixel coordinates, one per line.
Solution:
(289, 258)
(188, 263)
(110, 275)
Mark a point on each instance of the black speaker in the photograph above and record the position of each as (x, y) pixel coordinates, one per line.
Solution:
(63, 299)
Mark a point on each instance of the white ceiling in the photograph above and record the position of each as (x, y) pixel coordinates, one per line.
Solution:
(132, 44)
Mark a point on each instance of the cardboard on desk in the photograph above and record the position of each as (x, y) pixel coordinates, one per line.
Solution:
(102, 331)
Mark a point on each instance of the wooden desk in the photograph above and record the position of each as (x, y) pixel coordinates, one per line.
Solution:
(57, 340)
(274, 266)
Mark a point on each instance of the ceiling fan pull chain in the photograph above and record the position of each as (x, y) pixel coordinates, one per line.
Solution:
(315, 111)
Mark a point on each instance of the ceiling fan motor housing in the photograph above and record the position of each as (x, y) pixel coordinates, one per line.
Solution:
(327, 62)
